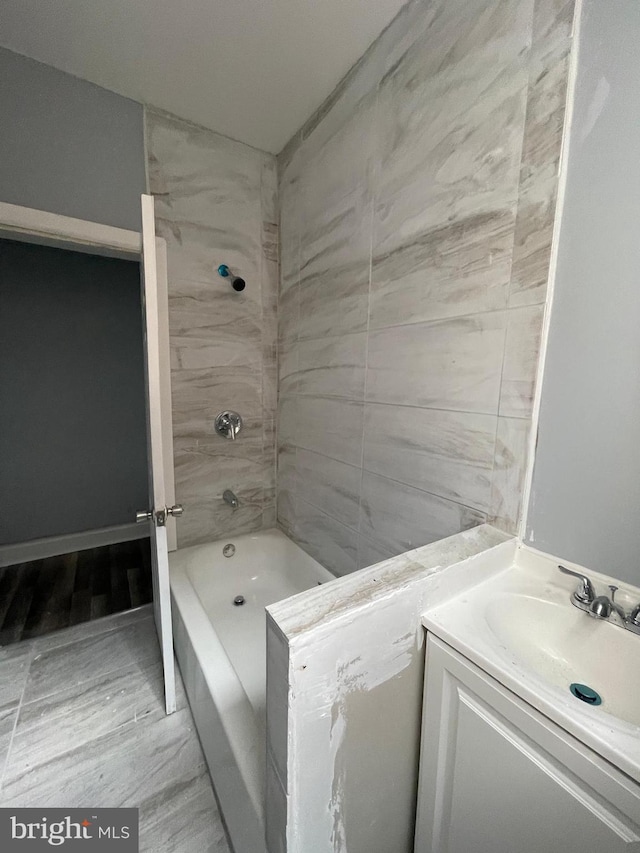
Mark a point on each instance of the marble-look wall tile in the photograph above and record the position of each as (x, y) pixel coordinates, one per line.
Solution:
(461, 91)
(332, 366)
(448, 364)
(417, 208)
(269, 463)
(202, 331)
(287, 424)
(449, 454)
(287, 468)
(269, 516)
(332, 486)
(286, 511)
(336, 201)
(370, 553)
(209, 518)
(508, 477)
(193, 353)
(193, 427)
(330, 426)
(522, 349)
(216, 202)
(289, 315)
(541, 150)
(211, 306)
(197, 468)
(288, 368)
(336, 197)
(326, 539)
(289, 196)
(195, 251)
(457, 268)
(238, 388)
(270, 386)
(201, 177)
(334, 305)
(400, 517)
(269, 190)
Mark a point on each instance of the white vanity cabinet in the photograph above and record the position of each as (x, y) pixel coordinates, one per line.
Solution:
(497, 776)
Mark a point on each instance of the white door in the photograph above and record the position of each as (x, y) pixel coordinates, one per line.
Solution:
(162, 513)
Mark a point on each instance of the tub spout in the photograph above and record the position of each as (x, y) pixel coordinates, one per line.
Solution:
(229, 498)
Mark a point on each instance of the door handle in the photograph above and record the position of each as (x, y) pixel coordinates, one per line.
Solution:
(160, 515)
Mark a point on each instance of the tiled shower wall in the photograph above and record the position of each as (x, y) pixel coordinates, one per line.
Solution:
(216, 202)
(417, 213)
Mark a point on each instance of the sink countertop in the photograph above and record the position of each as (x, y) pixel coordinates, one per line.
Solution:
(467, 622)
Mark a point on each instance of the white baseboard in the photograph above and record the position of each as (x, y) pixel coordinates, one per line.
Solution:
(23, 552)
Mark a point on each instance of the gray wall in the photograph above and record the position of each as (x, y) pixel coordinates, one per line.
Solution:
(67, 146)
(417, 211)
(586, 488)
(72, 419)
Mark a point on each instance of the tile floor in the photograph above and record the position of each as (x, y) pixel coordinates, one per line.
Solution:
(82, 723)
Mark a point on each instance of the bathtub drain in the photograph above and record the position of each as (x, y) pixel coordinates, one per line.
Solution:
(238, 600)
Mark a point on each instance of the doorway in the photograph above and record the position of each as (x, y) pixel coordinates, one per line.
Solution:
(73, 453)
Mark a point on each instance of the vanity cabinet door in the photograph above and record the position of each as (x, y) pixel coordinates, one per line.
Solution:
(496, 776)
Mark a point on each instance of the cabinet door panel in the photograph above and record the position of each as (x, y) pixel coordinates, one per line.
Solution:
(497, 777)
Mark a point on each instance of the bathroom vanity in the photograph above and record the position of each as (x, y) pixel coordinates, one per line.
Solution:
(512, 760)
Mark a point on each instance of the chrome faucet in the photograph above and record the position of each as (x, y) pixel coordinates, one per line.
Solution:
(601, 606)
(633, 621)
(604, 607)
(229, 498)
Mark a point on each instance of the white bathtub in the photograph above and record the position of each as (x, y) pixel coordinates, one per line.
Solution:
(221, 651)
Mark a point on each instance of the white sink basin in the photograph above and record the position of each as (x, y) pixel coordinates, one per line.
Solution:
(565, 645)
(518, 624)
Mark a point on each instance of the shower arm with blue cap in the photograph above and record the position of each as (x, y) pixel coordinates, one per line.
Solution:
(237, 283)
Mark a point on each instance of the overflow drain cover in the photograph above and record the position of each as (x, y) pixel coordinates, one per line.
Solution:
(238, 600)
(586, 694)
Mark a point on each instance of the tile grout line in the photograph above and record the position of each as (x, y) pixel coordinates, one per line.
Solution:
(448, 318)
(373, 153)
(395, 405)
(17, 717)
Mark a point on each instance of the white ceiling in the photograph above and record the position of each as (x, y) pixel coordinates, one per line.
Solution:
(254, 70)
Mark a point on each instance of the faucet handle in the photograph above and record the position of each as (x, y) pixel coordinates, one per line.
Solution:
(586, 593)
(634, 616)
(228, 424)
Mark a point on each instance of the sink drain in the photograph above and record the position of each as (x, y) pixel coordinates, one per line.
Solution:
(586, 694)
(238, 600)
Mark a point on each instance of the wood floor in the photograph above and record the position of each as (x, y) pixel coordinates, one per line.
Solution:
(45, 595)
